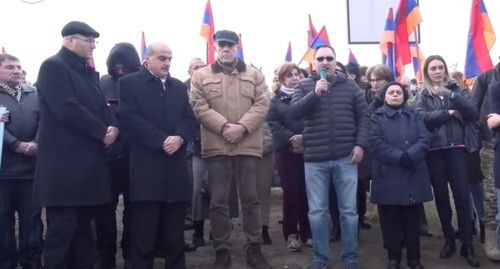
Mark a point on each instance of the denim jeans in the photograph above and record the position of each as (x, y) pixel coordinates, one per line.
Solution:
(15, 195)
(344, 176)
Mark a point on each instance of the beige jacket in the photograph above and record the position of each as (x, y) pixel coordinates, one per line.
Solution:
(241, 97)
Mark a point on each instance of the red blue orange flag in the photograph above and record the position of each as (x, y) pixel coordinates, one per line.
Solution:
(143, 47)
(320, 39)
(387, 43)
(207, 32)
(352, 58)
(407, 19)
(3, 50)
(288, 56)
(418, 59)
(480, 40)
(311, 33)
(239, 52)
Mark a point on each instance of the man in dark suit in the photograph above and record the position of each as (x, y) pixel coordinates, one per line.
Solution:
(76, 127)
(159, 121)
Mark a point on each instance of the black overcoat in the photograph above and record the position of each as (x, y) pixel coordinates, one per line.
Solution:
(71, 168)
(150, 114)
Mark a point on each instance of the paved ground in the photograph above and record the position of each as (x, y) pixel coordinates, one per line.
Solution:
(371, 252)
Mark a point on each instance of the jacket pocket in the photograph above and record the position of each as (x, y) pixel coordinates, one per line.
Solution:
(248, 88)
(213, 88)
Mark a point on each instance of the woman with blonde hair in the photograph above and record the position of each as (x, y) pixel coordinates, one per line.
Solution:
(446, 109)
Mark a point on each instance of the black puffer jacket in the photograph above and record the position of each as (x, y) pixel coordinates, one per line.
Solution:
(282, 126)
(334, 122)
(480, 93)
(447, 131)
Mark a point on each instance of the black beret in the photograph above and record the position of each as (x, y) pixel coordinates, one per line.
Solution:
(225, 35)
(79, 28)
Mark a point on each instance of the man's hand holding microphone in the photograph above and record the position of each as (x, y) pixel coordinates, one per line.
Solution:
(322, 83)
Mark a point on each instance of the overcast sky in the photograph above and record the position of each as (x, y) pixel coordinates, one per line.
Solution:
(32, 31)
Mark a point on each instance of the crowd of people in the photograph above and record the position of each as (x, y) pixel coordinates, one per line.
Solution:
(180, 153)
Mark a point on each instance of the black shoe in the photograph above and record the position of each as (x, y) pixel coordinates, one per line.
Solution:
(188, 247)
(335, 235)
(266, 239)
(481, 231)
(103, 263)
(255, 257)
(467, 252)
(363, 223)
(222, 259)
(448, 249)
(198, 240)
(415, 264)
(35, 262)
(425, 232)
(393, 264)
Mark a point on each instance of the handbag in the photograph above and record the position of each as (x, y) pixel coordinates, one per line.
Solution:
(473, 136)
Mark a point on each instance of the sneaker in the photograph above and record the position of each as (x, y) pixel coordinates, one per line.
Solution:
(222, 259)
(293, 243)
(317, 265)
(255, 257)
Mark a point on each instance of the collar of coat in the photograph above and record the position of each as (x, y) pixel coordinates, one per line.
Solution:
(76, 61)
(148, 76)
(240, 66)
(452, 85)
(390, 112)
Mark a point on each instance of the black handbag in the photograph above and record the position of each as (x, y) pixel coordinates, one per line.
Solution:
(473, 136)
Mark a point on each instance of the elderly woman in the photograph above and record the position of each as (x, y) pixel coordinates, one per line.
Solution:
(287, 140)
(399, 142)
(446, 109)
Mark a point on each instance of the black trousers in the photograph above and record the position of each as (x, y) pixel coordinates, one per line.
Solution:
(400, 223)
(450, 166)
(69, 242)
(105, 218)
(145, 219)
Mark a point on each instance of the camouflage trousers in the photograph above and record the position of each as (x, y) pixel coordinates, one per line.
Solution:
(490, 197)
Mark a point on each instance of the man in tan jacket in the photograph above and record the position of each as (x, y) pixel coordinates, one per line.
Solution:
(230, 100)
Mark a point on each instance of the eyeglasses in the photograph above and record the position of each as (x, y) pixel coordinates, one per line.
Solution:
(89, 40)
(225, 44)
(327, 58)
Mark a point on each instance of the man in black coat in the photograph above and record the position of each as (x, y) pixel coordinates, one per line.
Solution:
(159, 120)
(76, 127)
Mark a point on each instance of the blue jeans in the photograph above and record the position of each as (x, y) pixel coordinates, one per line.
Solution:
(15, 195)
(344, 176)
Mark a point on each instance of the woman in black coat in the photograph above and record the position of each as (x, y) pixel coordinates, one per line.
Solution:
(446, 109)
(287, 141)
(399, 142)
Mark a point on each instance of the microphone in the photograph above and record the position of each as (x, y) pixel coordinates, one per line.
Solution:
(322, 74)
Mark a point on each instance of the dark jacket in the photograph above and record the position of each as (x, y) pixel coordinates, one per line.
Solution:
(391, 134)
(494, 100)
(125, 54)
(71, 166)
(334, 122)
(448, 131)
(21, 127)
(150, 114)
(282, 126)
(480, 91)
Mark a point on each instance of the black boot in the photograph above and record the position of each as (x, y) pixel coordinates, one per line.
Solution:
(448, 249)
(255, 257)
(393, 264)
(198, 238)
(415, 264)
(266, 239)
(481, 231)
(222, 259)
(468, 252)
